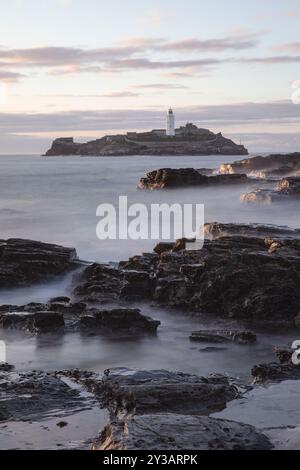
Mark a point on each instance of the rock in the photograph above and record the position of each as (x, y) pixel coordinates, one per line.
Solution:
(62, 424)
(162, 247)
(32, 395)
(223, 336)
(289, 186)
(39, 322)
(64, 146)
(102, 283)
(53, 318)
(188, 141)
(5, 367)
(212, 349)
(176, 432)
(62, 299)
(24, 262)
(129, 321)
(214, 230)
(284, 355)
(138, 392)
(251, 276)
(272, 165)
(260, 196)
(273, 372)
(173, 178)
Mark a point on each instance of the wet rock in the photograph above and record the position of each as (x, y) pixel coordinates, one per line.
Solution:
(61, 299)
(53, 318)
(33, 395)
(129, 321)
(38, 322)
(251, 275)
(260, 196)
(212, 349)
(23, 262)
(289, 186)
(277, 165)
(162, 247)
(286, 188)
(223, 336)
(274, 372)
(173, 178)
(130, 392)
(215, 230)
(100, 283)
(176, 432)
(5, 367)
(284, 355)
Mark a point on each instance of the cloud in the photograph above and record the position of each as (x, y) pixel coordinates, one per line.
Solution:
(234, 42)
(120, 94)
(161, 86)
(288, 47)
(7, 76)
(131, 54)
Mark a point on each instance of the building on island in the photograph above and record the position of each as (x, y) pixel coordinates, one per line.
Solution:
(170, 123)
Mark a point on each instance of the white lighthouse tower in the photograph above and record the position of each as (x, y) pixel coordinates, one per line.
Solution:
(170, 123)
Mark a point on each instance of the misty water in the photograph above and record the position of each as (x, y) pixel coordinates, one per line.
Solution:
(55, 200)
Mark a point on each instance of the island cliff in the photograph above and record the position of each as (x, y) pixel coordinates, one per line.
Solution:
(188, 140)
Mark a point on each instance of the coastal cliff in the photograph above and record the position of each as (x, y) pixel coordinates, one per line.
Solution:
(189, 140)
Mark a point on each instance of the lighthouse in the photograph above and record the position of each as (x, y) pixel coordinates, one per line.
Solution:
(170, 123)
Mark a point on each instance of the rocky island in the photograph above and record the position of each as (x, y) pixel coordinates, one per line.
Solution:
(187, 140)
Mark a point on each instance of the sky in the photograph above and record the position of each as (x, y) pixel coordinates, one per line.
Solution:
(86, 68)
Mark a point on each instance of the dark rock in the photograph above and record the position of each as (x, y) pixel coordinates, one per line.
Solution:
(33, 395)
(5, 367)
(274, 372)
(23, 262)
(252, 276)
(289, 186)
(173, 178)
(51, 318)
(286, 188)
(176, 432)
(223, 336)
(38, 322)
(62, 424)
(215, 230)
(212, 349)
(130, 321)
(162, 247)
(140, 392)
(284, 355)
(276, 165)
(62, 299)
(100, 282)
